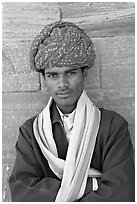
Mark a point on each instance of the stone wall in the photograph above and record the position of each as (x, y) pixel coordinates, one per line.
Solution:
(110, 83)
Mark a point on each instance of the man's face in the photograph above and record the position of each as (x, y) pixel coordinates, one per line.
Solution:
(65, 85)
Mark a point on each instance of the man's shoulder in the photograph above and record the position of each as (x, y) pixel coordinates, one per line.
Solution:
(29, 122)
(111, 120)
(111, 115)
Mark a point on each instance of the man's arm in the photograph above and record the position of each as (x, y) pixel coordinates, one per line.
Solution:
(117, 182)
(27, 184)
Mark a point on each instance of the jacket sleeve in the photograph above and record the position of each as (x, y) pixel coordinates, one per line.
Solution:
(117, 182)
(26, 182)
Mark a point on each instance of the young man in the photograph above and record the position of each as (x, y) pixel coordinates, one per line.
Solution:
(71, 151)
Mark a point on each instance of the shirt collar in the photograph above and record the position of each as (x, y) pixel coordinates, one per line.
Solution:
(70, 116)
(57, 115)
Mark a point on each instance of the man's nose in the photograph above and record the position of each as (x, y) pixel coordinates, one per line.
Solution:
(63, 82)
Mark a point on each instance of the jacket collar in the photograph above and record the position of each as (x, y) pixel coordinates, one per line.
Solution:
(54, 114)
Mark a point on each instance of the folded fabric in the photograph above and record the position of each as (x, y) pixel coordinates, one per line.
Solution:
(75, 170)
(61, 44)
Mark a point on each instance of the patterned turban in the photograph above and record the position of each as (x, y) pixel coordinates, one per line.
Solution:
(61, 44)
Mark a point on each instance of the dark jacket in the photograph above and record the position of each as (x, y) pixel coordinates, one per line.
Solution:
(32, 180)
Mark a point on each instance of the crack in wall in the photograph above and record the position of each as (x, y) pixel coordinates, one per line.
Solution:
(7, 61)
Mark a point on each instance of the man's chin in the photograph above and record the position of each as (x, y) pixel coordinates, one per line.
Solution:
(64, 102)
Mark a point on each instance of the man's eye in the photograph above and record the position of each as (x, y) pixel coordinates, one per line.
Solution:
(71, 73)
(52, 75)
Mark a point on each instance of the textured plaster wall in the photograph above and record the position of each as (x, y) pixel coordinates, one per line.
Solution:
(110, 82)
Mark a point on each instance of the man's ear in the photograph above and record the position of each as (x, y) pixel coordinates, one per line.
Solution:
(85, 73)
(43, 78)
(45, 85)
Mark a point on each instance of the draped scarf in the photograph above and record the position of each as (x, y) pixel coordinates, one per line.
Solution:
(75, 170)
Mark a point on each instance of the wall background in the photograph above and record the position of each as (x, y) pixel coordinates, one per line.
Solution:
(110, 83)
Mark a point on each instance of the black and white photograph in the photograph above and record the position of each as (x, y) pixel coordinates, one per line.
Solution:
(68, 101)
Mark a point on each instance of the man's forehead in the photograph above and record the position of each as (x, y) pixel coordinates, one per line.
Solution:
(59, 69)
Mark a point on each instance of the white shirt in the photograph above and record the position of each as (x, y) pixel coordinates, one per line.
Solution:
(68, 121)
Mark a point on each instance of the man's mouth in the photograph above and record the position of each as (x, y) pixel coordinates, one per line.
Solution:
(64, 94)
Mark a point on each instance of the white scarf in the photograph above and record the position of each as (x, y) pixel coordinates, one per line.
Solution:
(74, 171)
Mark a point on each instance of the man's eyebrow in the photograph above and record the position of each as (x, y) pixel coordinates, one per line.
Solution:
(50, 72)
(73, 69)
(55, 72)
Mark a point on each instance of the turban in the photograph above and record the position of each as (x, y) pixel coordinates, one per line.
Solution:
(61, 44)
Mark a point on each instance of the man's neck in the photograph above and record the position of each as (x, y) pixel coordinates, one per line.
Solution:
(67, 109)
(65, 114)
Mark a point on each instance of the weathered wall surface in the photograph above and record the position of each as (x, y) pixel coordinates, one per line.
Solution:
(110, 83)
